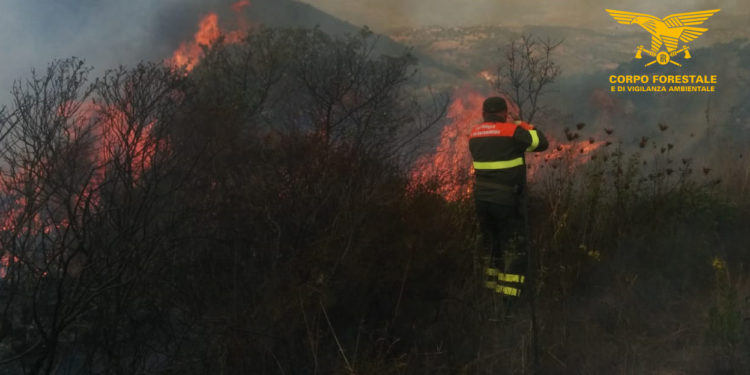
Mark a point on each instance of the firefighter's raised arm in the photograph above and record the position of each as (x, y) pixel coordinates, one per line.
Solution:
(529, 137)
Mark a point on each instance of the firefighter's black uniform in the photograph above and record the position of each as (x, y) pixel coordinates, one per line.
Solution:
(497, 149)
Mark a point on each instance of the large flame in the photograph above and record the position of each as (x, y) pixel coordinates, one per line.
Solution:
(449, 167)
(115, 137)
(5, 262)
(116, 141)
(189, 53)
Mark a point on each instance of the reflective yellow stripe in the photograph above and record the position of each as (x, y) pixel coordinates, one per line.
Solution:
(534, 141)
(498, 164)
(490, 284)
(508, 291)
(489, 271)
(511, 278)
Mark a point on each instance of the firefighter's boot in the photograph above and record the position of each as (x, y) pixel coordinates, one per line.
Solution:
(490, 277)
(509, 284)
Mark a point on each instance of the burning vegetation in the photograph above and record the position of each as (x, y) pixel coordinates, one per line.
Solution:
(247, 206)
(449, 167)
(209, 32)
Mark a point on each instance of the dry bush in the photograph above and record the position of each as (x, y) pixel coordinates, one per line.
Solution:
(256, 216)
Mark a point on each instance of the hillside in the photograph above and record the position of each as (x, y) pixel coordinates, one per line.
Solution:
(257, 211)
(587, 59)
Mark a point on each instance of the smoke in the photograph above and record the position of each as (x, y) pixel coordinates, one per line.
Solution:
(109, 33)
(105, 34)
(384, 14)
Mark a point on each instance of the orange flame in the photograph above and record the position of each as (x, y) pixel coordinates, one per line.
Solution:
(561, 155)
(238, 6)
(118, 137)
(115, 136)
(114, 139)
(451, 162)
(189, 53)
(450, 165)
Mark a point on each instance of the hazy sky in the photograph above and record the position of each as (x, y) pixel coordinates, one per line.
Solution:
(381, 14)
(111, 32)
(34, 32)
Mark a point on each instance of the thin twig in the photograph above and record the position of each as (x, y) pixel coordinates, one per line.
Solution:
(335, 337)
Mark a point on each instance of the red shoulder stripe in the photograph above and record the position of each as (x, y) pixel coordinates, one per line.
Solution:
(493, 129)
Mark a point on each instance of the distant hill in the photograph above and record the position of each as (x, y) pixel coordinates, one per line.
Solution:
(587, 59)
(453, 57)
(178, 22)
(476, 48)
(724, 114)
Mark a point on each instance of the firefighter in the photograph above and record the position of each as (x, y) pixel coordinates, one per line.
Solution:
(497, 149)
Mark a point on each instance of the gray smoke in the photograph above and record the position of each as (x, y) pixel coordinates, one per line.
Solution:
(109, 33)
(104, 33)
(383, 14)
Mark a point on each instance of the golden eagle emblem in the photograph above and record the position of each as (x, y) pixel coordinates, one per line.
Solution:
(669, 32)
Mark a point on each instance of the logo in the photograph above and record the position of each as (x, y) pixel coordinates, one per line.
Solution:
(667, 32)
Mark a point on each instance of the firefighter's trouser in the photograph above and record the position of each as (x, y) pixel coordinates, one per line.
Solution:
(502, 230)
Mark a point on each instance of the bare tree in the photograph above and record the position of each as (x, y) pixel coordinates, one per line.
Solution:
(301, 157)
(525, 76)
(158, 222)
(87, 168)
(526, 73)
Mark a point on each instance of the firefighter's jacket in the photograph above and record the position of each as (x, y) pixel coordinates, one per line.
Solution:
(497, 150)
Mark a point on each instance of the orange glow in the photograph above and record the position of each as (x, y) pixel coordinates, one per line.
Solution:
(578, 153)
(238, 6)
(235, 36)
(487, 76)
(5, 262)
(450, 165)
(451, 162)
(189, 53)
(116, 140)
(119, 137)
(561, 155)
(208, 30)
